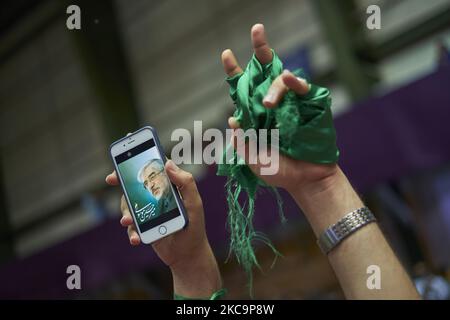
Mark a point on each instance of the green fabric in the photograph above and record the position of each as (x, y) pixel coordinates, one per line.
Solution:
(306, 132)
(215, 296)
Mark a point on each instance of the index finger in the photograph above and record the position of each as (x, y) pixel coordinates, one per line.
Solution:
(230, 64)
(280, 86)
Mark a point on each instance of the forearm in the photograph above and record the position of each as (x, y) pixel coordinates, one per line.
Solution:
(327, 201)
(199, 276)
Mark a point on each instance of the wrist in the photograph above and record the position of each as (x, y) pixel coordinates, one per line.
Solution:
(318, 184)
(326, 200)
(198, 276)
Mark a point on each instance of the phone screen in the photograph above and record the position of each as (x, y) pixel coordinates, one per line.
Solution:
(147, 185)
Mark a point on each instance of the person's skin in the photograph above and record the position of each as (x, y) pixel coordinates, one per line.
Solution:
(325, 195)
(187, 253)
(322, 192)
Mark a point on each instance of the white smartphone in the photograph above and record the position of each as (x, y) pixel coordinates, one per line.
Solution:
(154, 201)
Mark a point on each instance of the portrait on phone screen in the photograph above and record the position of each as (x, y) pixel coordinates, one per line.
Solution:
(147, 185)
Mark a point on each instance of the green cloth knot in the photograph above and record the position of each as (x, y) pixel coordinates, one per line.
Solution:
(306, 132)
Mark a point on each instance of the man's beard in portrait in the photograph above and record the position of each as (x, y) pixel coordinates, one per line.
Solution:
(159, 192)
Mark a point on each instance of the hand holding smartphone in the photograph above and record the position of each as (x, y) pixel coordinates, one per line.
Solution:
(154, 202)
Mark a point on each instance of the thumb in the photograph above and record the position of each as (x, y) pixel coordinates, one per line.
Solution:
(185, 183)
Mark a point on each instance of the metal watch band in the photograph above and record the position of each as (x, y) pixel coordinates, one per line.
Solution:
(351, 222)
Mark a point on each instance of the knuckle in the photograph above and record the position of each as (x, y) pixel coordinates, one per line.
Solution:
(189, 178)
(278, 81)
(193, 204)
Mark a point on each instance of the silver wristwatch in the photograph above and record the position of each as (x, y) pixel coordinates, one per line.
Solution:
(351, 222)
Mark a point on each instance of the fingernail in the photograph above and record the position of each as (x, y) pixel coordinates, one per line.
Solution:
(305, 83)
(301, 80)
(135, 241)
(270, 97)
(232, 122)
(171, 165)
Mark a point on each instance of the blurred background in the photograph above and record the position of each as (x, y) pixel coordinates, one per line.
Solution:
(65, 95)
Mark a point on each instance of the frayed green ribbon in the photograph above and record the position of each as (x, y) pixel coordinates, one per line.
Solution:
(306, 132)
(215, 296)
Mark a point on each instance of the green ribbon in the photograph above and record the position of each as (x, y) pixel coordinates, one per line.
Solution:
(215, 296)
(306, 132)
